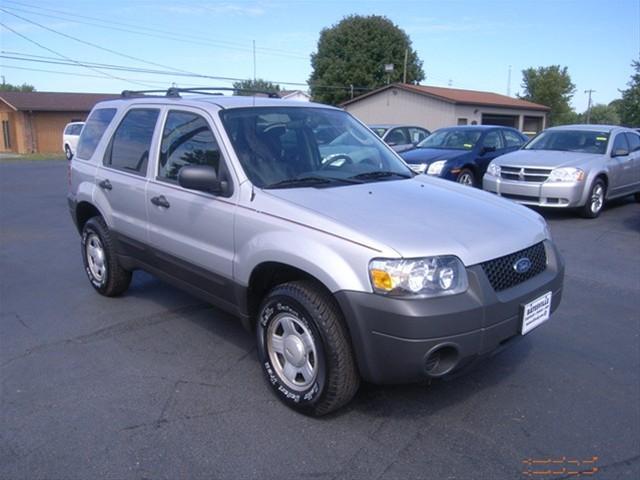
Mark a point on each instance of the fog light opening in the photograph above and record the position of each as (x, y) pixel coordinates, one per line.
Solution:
(441, 360)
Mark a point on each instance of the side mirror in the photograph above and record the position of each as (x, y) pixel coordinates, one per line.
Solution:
(202, 178)
(620, 152)
(487, 150)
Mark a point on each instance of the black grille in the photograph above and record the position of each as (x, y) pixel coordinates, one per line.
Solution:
(501, 271)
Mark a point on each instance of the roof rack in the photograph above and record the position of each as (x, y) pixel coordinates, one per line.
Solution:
(176, 91)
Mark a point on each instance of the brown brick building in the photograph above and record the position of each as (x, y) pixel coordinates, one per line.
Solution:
(32, 122)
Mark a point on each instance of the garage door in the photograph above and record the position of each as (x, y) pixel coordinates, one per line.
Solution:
(502, 120)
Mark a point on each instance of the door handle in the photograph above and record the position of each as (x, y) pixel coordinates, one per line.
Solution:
(105, 184)
(160, 201)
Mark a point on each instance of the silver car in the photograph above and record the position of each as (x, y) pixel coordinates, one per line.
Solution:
(400, 137)
(573, 166)
(344, 263)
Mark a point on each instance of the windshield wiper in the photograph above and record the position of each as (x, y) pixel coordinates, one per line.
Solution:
(379, 174)
(299, 182)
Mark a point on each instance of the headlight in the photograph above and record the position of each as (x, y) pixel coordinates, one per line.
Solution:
(566, 174)
(422, 277)
(493, 169)
(418, 167)
(436, 167)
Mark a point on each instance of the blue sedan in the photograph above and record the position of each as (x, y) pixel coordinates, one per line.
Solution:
(463, 153)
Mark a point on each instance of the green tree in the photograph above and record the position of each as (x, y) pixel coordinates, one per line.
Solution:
(630, 105)
(602, 114)
(355, 52)
(257, 84)
(550, 86)
(8, 87)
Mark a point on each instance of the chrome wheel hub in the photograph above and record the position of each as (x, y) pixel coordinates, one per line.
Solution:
(465, 179)
(292, 352)
(597, 198)
(96, 260)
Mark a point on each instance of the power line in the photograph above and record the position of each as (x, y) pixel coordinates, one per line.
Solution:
(69, 59)
(130, 57)
(88, 75)
(150, 32)
(70, 62)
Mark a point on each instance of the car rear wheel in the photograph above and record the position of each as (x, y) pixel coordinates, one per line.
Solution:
(466, 177)
(595, 199)
(100, 260)
(304, 349)
(67, 152)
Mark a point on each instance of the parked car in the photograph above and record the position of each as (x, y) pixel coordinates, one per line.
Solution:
(573, 166)
(70, 136)
(400, 137)
(463, 153)
(232, 199)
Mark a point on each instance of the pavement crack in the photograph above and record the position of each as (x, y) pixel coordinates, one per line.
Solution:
(115, 330)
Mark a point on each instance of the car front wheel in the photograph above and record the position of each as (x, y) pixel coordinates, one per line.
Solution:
(595, 199)
(304, 349)
(466, 177)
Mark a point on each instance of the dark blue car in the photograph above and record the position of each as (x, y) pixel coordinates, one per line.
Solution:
(462, 154)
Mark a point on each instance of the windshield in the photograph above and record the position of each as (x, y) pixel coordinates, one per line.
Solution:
(570, 141)
(452, 139)
(282, 147)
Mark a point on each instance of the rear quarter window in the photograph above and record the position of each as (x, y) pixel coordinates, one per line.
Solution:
(93, 131)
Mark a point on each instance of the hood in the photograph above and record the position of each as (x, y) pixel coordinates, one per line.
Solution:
(428, 155)
(546, 158)
(417, 217)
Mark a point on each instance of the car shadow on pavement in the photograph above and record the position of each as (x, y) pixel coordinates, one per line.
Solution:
(424, 399)
(374, 400)
(562, 214)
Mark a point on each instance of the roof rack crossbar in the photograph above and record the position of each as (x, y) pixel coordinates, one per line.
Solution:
(203, 90)
(176, 91)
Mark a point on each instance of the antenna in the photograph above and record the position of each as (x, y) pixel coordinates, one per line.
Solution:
(509, 82)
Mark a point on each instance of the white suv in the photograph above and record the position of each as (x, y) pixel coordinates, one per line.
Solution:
(344, 262)
(70, 136)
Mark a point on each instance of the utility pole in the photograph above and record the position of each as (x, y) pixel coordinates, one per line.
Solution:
(589, 105)
(406, 57)
(509, 82)
(254, 62)
(351, 88)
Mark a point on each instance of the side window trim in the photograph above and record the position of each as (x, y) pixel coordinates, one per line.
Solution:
(224, 162)
(116, 125)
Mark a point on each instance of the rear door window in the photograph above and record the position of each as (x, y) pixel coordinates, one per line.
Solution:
(129, 148)
(93, 131)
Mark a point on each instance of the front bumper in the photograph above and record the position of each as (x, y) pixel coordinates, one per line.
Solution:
(545, 194)
(393, 337)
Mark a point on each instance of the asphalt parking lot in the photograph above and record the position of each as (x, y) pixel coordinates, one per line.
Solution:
(157, 384)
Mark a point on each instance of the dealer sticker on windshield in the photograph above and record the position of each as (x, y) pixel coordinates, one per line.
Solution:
(536, 312)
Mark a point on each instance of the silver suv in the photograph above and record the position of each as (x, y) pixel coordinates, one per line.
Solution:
(345, 263)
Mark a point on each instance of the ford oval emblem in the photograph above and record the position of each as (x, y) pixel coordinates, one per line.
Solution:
(523, 265)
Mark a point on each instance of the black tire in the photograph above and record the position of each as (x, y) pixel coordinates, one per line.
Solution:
(637, 196)
(467, 177)
(593, 207)
(313, 312)
(67, 152)
(114, 279)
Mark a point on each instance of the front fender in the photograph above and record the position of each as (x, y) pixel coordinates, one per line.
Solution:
(320, 259)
